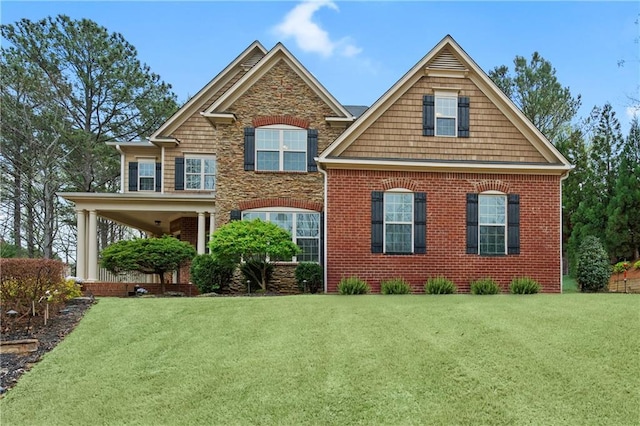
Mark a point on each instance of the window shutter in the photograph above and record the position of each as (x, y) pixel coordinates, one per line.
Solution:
(249, 148)
(472, 223)
(428, 115)
(513, 224)
(420, 223)
(312, 150)
(133, 176)
(179, 173)
(236, 215)
(321, 238)
(377, 221)
(463, 117)
(158, 177)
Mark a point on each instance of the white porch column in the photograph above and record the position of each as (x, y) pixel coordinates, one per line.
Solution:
(92, 270)
(201, 237)
(81, 246)
(212, 223)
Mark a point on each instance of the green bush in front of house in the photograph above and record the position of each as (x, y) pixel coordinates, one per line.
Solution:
(524, 285)
(593, 270)
(353, 285)
(439, 285)
(209, 274)
(395, 286)
(309, 276)
(485, 286)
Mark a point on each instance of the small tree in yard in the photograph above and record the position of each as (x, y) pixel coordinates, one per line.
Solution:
(147, 255)
(256, 241)
(593, 270)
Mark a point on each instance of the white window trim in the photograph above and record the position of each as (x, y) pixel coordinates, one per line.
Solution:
(384, 219)
(504, 225)
(294, 223)
(281, 149)
(449, 95)
(151, 161)
(201, 157)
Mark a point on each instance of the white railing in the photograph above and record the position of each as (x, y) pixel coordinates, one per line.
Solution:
(126, 277)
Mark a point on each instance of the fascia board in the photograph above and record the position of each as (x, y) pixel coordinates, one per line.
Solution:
(279, 52)
(196, 101)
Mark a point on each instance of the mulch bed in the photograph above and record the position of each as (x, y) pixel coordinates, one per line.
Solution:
(12, 366)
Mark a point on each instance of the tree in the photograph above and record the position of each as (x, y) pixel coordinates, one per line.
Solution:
(623, 226)
(593, 270)
(68, 86)
(147, 255)
(535, 89)
(256, 241)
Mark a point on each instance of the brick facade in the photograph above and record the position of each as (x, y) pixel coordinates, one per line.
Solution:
(349, 229)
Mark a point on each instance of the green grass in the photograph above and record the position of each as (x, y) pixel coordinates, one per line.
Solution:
(569, 284)
(459, 359)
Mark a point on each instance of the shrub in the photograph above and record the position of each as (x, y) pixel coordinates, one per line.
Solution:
(310, 272)
(485, 286)
(395, 286)
(252, 271)
(524, 285)
(637, 265)
(620, 267)
(439, 285)
(353, 285)
(593, 270)
(209, 274)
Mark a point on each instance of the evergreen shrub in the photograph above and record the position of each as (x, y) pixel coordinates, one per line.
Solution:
(395, 286)
(524, 285)
(439, 285)
(485, 286)
(593, 270)
(353, 285)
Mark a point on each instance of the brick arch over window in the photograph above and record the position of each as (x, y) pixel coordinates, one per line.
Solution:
(281, 202)
(280, 119)
(394, 183)
(491, 185)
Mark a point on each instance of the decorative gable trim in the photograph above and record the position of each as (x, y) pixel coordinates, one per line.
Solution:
(446, 60)
(278, 53)
(555, 160)
(251, 55)
(280, 119)
(281, 202)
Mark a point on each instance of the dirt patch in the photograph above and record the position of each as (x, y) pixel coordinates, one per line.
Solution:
(12, 366)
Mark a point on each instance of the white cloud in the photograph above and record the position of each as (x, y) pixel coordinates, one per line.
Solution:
(633, 111)
(308, 35)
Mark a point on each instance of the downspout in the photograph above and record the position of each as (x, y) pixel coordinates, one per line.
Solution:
(121, 168)
(562, 178)
(324, 240)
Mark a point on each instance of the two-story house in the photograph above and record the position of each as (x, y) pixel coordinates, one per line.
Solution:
(443, 175)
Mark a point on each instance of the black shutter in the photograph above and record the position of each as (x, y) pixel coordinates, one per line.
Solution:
(377, 221)
(420, 223)
(513, 224)
(312, 150)
(249, 148)
(463, 117)
(179, 173)
(133, 176)
(428, 115)
(235, 215)
(472, 223)
(158, 177)
(321, 238)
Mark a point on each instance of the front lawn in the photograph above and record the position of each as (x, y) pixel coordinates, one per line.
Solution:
(417, 359)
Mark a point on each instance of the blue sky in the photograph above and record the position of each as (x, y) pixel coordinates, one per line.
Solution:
(358, 50)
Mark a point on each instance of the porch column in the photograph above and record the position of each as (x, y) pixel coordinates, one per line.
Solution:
(93, 246)
(81, 246)
(212, 222)
(201, 237)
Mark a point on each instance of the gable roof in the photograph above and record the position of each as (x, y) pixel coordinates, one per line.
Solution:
(447, 58)
(247, 59)
(278, 53)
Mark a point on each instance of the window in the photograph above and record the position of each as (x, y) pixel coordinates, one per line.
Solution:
(200, 173)
(492, 224)
(281, 148)
(146, 175)
(398, 222)
(446, 114)
(304, 227)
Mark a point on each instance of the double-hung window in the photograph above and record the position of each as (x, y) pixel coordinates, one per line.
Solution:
(200, 172)
(446, 113)
(492, 224)
(398, 222)
(281, 148)
(304, 227)
(146, 175)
